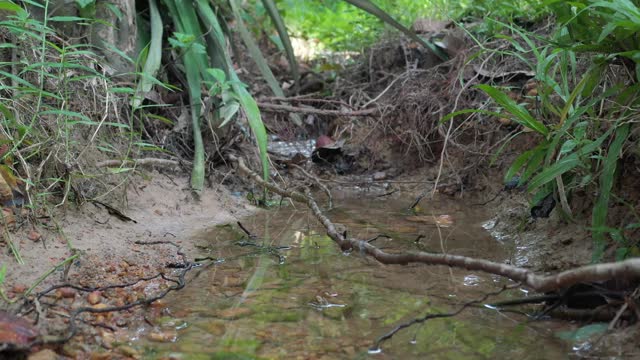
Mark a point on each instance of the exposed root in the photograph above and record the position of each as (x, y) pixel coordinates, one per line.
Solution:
(624, 270)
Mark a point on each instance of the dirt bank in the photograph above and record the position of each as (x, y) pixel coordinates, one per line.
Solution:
(161, 208)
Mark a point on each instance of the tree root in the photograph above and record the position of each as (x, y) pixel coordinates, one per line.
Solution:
(624, 270)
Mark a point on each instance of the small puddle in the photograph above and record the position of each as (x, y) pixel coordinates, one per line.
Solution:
(299, 297)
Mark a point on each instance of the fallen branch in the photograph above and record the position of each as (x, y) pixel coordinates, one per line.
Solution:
(309, 110)
(628, 269)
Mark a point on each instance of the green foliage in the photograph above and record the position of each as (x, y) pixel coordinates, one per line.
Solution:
(44, 127)
(239, 94)
(508, 11)
(337, 25)
(574, 148)
(608, 27)
(259, 59)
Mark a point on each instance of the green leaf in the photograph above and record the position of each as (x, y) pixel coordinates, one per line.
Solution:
(534, 164)
(517, 164)
(568, 146)
(273, 12)
(68, 19)
(259, 59)
(67, 113)
(600, 210)
(84, 3)
(521, 115)
(583, 333)
(217, 74)
(255, 122)
(9, 6)
(549, 174)
(154, 56)
(228, 111)
(3, 273)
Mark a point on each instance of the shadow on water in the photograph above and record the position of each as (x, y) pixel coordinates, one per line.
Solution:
(307, 300)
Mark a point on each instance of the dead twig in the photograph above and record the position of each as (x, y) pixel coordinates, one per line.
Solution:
(310, 110)
(164, 163)
(390, 334)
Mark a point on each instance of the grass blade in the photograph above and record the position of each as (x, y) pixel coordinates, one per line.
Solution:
(599, 214)
(154, 56)
(186, 21)
(521, 115)
(259, 59)
(270, 5)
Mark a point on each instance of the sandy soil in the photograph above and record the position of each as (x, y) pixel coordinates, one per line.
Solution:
(163, 210)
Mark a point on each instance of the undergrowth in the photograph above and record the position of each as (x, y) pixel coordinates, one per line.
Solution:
(60, 114)
(583, 105)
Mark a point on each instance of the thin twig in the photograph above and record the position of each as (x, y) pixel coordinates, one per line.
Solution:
(390, 334)
(166, 163)
(310, 110)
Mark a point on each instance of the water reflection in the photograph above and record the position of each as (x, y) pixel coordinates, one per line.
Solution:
(295, 295)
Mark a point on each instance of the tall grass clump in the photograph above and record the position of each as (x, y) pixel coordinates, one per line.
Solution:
(584, 111)
(59, 115)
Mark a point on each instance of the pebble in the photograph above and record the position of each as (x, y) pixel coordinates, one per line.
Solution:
(165, 336)
(94, 297)
(65, 292)
(379, 175)
(34, 236)
(46, 354)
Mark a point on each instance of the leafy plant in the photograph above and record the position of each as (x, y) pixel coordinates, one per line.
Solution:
(619, 21)
(574, 147)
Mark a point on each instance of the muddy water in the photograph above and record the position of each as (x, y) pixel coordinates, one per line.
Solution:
(298, 297)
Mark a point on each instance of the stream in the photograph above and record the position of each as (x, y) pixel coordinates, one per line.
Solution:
(290, 293)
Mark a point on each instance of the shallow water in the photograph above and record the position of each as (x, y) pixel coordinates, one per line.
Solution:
(299, 297)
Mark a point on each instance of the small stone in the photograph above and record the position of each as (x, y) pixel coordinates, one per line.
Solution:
(163, 336)
(94, 297)
(129, 351)
(566, 241)
(505, 121)
(34, 236)
(46, 354)
(379, 175)
(107, 340)
(65, 292)
(19, 288)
